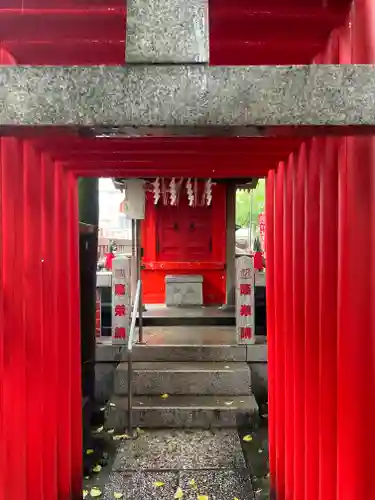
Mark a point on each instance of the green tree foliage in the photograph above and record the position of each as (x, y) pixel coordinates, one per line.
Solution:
(243, 202)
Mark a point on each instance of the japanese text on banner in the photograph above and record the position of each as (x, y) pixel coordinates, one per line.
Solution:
(245, 300)
(121, 299)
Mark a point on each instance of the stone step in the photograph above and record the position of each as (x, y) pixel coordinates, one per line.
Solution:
(213, 459)
(179, 412)
(184, 378)
(152, 353)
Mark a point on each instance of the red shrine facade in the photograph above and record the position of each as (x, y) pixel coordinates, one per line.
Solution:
(184, 239)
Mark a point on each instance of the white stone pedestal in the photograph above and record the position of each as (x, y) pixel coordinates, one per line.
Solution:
(184, 290)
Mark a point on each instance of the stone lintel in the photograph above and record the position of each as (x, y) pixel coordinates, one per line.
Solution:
(167, 31)
(187, 96)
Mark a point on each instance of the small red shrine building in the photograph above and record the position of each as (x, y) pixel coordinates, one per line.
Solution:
(188, 239)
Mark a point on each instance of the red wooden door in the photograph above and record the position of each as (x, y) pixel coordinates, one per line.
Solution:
(184, 234)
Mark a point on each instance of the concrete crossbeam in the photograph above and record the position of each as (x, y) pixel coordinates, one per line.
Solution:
(190, 95)
(167, 31)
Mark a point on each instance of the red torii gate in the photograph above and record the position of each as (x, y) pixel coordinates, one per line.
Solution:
(320, 207)
(321, 336)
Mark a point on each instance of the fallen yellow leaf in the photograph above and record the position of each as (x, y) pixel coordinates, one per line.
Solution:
(164, 396)
(235, 498)
(87, 477)
(193, 484)
(158, 484)
(118, 437)
(228, 403)
(95, 492)
(111, 431)
(179, 493)
(99, 429)
(248, 438)
(117, 495)
(202, 497)
(84, 493)
(89, 451)
(112, 404)
(97, 468)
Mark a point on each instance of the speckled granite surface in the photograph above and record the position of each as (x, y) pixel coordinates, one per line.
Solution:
(167, 31)
(217, 485)
(181, 449)
(198, 462)
(188, 95)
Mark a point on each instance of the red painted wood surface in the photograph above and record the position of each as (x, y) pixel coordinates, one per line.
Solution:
(332, 335)
(211, 266)
(323, 354)
(280, 331)
(40, 404)
(356, 310)
(66, 32)
(184, 234)
(298, 334)
(312, 242)
(328, 280)
(50, 318)
(271, 323)
(288, 324)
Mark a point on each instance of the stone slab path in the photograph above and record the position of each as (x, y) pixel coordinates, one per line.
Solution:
(201, 463)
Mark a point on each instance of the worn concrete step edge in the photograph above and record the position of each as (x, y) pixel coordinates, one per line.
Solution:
(201, 412)
(184, 378)
(107, 353)
(230, 353)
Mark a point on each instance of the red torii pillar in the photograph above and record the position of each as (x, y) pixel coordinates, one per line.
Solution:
(40, 382)
(356, 327)
(6, 58)
(332, 336)
(40, 365)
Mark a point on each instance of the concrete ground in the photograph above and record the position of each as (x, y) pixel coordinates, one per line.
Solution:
(256, 455)
(213, 465)
(188, 335)
(156, 464)
(162, 311)
(185, 335)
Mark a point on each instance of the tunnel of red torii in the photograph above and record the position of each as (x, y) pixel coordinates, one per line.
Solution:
(320, 241)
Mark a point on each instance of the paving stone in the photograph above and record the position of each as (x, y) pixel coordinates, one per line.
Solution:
(181, 450)
(140, 485)
(217, 485)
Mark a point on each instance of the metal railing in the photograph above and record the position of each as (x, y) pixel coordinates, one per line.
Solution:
(136, 309)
